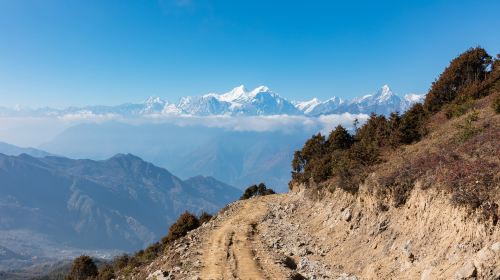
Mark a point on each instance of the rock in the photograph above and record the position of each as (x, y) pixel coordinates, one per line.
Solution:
(297, 276)
(289, 263)
(407, 250)
(496, 247)
(426, 274)
(383, 225)
(159, 275)
(467, 271)
(346, 215)
(485, 254)
(345, 276)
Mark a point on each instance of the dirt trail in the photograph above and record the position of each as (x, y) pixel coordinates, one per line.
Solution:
(341, 236)
(230, 252)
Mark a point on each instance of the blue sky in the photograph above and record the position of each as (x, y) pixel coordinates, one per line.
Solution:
(60, 52)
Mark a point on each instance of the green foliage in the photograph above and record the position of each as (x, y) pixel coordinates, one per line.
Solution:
(185, 223)
(455, 109)
(256, 190)
(468, 69)
(375, 132)
(339, 139)
(83, 268)
(467, 129)
(411, 127)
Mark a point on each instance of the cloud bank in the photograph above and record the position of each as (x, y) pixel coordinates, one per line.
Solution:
(34, 131)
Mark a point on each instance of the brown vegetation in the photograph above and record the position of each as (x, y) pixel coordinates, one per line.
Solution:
(256, 190)
(455, 159)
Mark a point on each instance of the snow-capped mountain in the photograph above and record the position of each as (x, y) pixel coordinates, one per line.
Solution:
(384, 101)
(237, 102)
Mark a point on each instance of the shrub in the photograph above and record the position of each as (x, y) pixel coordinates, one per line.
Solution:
(411, 126)
(204, 217)
(256, 190)
(121, 262)
(185, 223)
(83, 268)
(454, 110)
(375, 132)
(106, 273)
(467, 129)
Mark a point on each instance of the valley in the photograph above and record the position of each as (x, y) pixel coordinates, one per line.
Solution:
(101, 208)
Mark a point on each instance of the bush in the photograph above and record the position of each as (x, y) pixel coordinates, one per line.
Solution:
(185, 223)
(106, 273)
(204, 217)
(121, 262)
(412, 125)
(454, 110)
(256, 190)
(83, 268)
(467, 129)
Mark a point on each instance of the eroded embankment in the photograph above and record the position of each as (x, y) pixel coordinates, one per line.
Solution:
(339, 236)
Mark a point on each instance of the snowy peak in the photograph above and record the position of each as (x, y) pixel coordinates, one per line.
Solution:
(308, 105)
(384, 94)
(415, 98)
(154, 100)
(239, 101)
(237, 93)
(384, 101)
(153, 105)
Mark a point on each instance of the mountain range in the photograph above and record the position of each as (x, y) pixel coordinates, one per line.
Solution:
(239, 101)
(12, 150)
(52, 205)
(239, 158)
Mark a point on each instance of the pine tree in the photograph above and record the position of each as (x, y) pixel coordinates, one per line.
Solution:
(339, 139)
(468, 69)
(83, 268)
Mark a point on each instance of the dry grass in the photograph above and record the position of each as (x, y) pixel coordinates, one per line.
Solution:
(459, 156)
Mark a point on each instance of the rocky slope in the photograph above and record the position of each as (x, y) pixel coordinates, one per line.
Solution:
(291, 236)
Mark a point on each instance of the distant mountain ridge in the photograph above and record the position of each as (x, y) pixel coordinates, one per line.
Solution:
(12, 150)
(122, 203)
(384, 101)
(260, 101)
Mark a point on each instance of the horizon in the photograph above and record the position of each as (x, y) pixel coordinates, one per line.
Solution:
(129, 51)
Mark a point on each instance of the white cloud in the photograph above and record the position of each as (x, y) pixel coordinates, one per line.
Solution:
(329, 122)
(34, 131)
(86, 115)
(285, 123)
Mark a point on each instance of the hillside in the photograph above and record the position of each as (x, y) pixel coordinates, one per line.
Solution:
(418, 200)
(55, 208)
(324, 235)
